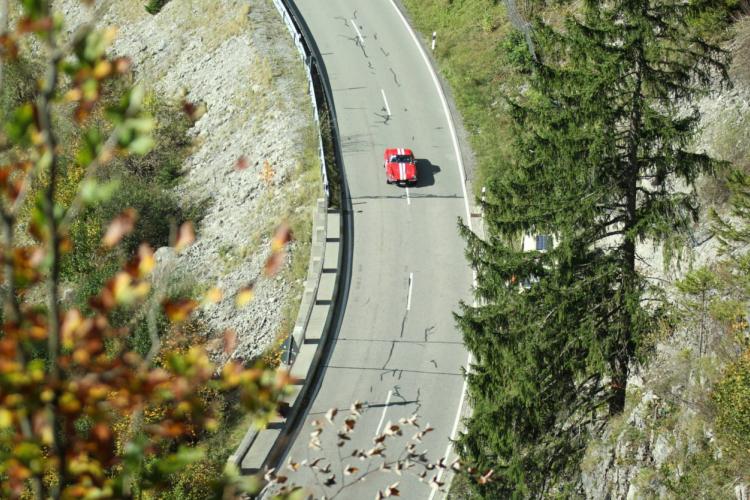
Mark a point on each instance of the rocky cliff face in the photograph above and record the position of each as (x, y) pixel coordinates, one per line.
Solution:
(657, 447)
(236, 58)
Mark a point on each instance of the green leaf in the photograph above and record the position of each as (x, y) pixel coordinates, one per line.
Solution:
(93, 191)
(143, 124)
(19, 123)
(141, 145)
(135, 99)
(178, 461)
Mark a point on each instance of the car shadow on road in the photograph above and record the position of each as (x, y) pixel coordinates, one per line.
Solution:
(426, 172)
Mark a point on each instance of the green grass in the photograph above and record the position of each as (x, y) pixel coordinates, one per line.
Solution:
(470, 56)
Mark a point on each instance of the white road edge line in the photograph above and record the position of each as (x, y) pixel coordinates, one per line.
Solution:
(457, 150)
(408, 297)
(408, 199)
(385, 408)
(387, 108)
(359, 35)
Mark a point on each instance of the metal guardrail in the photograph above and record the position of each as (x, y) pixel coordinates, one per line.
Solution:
(322, 98)
(306, 57)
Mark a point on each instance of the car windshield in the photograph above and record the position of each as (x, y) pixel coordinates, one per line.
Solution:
(401, 159)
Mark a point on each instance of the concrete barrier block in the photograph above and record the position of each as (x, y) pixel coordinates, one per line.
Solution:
(333, 226)
(316, 324)
(304, 361)
(331, 260)
(326, 287)
(296, 390)
(256, 455)
(298, 334)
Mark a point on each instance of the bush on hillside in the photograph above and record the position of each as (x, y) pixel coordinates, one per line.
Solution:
(732, 400)
(155, 6)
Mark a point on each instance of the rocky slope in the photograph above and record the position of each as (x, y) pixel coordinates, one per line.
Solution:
(658, 447)
(236, 58)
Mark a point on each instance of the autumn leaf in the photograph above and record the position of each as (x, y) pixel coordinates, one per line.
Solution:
(121, 226)
(230, 341)
(268, 172)
(331, 414)
(125, 290)
(292, 465)
(273, 263)
(146, 260)
(213, 296)
(241, 163)
(194, 111)
(356, 408)
(350, 423)
(244, 296)
(486, 477)
(392, 490)
(185, 236)
(281, 237)
(178, 310)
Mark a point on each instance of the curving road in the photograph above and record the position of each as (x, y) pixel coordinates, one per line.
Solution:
(398, 348)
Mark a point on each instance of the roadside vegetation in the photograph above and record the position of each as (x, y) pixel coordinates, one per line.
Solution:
(154, 6)
(473, 40)
(577, 141)
(105, 390)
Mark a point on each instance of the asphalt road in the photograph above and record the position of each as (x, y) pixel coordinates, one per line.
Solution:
(398, 349)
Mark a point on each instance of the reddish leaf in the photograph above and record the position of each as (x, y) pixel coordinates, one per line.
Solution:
(122, 65)
(185, 236)
(281, 237)
(331, 414)
(121, 226)
(241, 163)
(273, 263)
(178, 310)
(230, 341)
(486, 477)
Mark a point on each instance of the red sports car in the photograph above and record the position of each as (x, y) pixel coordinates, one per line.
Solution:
(400, 166)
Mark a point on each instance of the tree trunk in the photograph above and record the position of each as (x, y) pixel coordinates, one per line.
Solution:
(624, 346)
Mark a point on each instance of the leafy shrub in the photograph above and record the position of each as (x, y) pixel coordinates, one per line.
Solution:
(155, 6)
(162, 164)
(18, 85)
(141, 182)
(732, 399)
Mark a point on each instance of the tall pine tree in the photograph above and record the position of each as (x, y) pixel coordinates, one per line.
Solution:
(602, 161)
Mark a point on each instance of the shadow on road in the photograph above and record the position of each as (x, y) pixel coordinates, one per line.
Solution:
(426, 173)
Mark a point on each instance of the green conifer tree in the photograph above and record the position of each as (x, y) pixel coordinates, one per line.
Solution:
(602, 161)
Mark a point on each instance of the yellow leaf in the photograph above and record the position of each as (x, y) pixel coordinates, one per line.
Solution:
(102, 69)
(73, 94)
(244, 296)
(179, 310)
(185, 236)
(213, 296)
(147, 261)
(6, 418)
